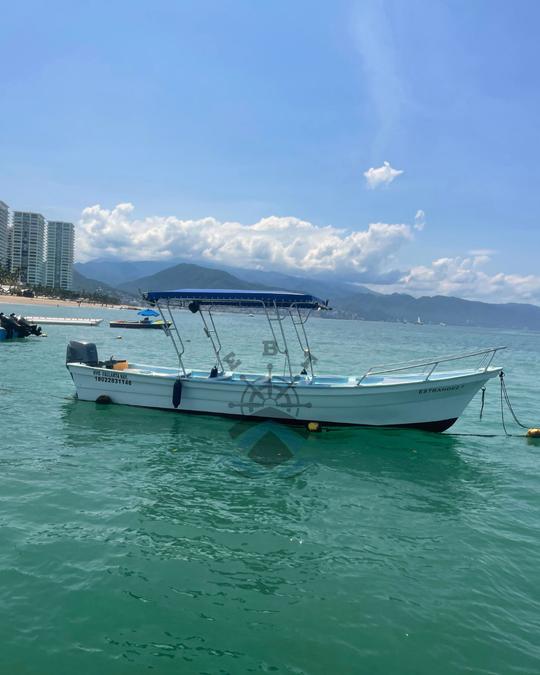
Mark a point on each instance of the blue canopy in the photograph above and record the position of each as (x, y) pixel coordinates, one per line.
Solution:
(235, 298)
(148, 312)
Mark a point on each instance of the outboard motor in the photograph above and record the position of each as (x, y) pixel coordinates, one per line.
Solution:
(5, 325)
(22, 331)
(32, 327)
(13, 329)
(82, 352)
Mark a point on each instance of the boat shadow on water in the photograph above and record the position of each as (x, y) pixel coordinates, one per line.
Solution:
(258, 448)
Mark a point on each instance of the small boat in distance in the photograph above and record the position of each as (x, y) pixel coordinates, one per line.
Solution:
(64, 321)
(13, 327)
(149, 321)
(420, 394)
(145, 323)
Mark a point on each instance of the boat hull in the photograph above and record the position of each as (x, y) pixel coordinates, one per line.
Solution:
(16, 335)
(61, 321)
(138, 324)
(432, 405)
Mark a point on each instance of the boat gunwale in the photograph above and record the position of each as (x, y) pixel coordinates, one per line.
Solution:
(259, 379)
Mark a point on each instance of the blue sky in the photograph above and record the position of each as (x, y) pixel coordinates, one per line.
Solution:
(239, 111)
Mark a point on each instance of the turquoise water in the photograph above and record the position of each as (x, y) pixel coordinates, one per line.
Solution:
(138, 541)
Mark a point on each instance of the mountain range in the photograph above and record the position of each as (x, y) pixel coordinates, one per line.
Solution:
(128, 278)
(129, 275)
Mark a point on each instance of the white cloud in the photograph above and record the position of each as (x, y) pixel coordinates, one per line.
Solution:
(383, 175)
(420, 220)
(273, 243)
(465, 277)
(292, 245)
(482, 251)
(374, 36)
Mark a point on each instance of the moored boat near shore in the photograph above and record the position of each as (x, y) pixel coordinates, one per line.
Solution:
(417, 395)
(64, 321)
(149, 320)
(156, 325)
(14, 327)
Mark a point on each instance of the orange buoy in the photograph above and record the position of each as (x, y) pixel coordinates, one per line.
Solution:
(533, 433)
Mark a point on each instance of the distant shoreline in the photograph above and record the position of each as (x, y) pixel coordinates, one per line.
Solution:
(50, 302)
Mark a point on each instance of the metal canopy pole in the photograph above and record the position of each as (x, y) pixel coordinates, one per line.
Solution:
(285, 350)
(179, 348)
(301, 321)
(212, 333)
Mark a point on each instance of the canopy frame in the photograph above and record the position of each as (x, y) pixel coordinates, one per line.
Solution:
(273, 316)
(212, 334)
(300, 321)
(284, 347)
(238, 298)
(178, 347)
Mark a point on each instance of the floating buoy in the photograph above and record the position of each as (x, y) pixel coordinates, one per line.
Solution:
(103, 399)
(533, 433)
(314, 426)
(118, 337)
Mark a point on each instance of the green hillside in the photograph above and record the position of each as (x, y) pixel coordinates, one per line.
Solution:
(346, 301)
(186, 275)
(83, 284)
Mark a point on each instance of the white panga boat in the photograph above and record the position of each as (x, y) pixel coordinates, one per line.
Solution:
(64, 321)
(423, 395)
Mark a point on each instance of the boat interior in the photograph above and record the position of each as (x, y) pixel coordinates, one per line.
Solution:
(317, 381)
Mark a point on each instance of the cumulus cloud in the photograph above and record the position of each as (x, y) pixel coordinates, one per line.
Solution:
(465, 277)
(383, 175)
(274, 243)
(482, 252)
(419, 220)
(288, 244)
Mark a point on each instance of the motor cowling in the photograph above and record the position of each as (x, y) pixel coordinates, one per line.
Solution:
(82, 352)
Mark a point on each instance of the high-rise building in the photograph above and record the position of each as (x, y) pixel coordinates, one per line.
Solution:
(4, 225)
(28, 247)
(60, 245)
(9, 247)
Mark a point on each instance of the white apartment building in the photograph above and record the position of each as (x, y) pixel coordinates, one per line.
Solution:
(59, 255)
(28, 247)
(4, 234)
(9, 247)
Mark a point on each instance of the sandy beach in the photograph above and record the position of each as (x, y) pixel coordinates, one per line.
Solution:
(51, 302)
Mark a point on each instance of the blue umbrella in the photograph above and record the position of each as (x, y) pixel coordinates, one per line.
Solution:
(148, 312)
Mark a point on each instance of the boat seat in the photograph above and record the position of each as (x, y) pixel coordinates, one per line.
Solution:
(215, 375)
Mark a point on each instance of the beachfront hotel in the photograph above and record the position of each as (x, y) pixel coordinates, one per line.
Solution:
(59, 254)
(4, 234)
(41, 252)
(28, 247)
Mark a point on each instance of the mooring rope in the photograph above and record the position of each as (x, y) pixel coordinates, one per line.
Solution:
(483, 400)
(505, 398)
(508, 403)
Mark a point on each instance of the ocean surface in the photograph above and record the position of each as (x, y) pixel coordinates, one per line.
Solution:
(136, 541)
